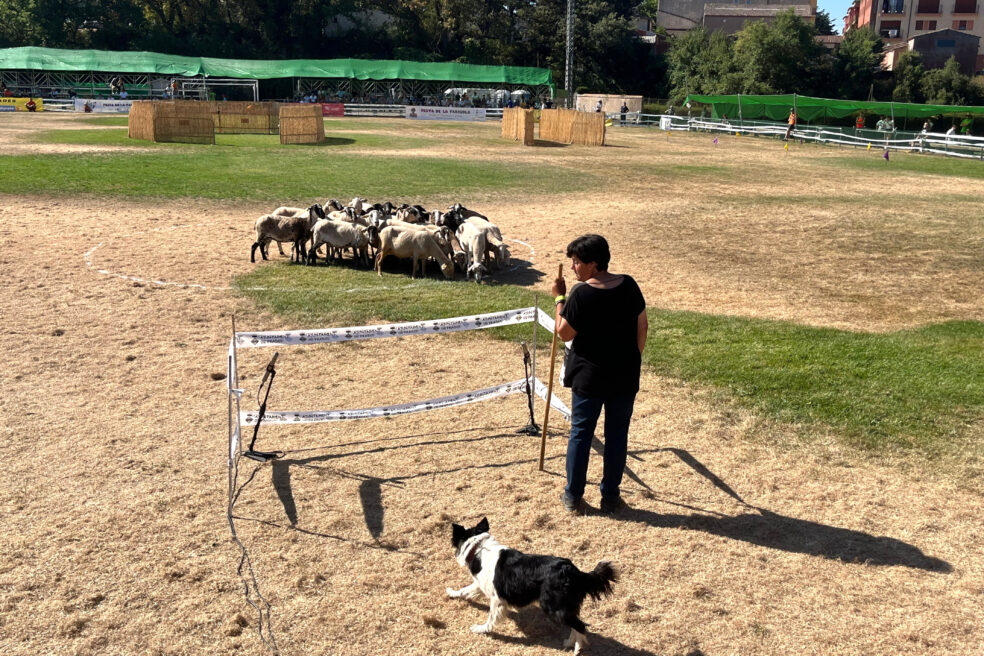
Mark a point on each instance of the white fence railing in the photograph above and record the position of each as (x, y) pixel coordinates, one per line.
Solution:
(938, 143)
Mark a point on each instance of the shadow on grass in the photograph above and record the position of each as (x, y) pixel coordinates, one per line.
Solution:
(539, 630)
(768, 529)
(371, 487)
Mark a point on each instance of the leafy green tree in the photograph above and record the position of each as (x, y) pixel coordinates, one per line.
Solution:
(702, 62)
(856, 62)
(824, 25)
(947, 85)
(17, 25)
(779, 57)
(908, 76)
(648, 8)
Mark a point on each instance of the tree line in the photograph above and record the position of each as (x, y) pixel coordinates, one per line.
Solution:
(779, 57)
(785, 57)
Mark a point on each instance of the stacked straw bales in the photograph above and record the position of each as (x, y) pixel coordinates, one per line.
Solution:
(517, 124)
(300, 124)
(175, 121)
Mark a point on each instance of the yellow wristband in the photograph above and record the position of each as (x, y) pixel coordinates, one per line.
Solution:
(560, 299)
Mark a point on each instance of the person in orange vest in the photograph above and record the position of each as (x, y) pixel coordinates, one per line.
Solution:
(792, 123)
(859, 124)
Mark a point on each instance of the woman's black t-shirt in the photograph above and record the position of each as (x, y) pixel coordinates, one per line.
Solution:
(604, 359)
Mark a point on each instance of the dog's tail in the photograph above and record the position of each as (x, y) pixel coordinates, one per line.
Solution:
(598, 582)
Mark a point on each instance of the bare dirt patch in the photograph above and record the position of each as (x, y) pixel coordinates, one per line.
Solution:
(114, 431)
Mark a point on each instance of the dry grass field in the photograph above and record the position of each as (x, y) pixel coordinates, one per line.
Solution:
(741, 538)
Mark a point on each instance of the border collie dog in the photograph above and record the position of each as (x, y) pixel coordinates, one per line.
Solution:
(510, 578)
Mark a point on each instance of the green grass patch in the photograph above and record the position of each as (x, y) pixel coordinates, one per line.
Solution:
(341, 295)
(915, 389)
(93, 137)
(123, 121)
(272, 174)
(909, 389)
(908, 163)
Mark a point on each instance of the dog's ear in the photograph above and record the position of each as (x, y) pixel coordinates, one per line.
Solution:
(483, 526)
(457, 533)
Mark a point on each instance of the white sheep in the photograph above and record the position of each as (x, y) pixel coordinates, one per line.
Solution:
(474, 242)
(495, 244)
(338, 235)
(415, 244)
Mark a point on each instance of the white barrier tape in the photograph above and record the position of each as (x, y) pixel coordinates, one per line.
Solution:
(234, 443)
(318, 416)
(555, 403)
(545, 320)
(430, 327)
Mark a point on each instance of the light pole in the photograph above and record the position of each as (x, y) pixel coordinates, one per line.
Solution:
(569, 64)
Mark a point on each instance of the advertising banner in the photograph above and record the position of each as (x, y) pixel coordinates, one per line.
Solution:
(445, 113)
(9, 104)
(103, 106)
(332, 109)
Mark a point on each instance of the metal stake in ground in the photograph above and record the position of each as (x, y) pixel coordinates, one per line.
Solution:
(550, 380)
(263, 456)
(530, 428)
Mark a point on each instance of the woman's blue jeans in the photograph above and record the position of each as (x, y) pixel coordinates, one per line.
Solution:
(584, 418)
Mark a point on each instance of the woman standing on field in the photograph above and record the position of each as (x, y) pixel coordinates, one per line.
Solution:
(605, 316)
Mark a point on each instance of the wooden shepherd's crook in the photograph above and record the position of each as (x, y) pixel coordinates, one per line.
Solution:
(550, 381)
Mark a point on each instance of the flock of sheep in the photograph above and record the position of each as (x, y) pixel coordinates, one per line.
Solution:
(456, 238)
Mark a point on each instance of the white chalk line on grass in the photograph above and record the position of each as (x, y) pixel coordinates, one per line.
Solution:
(193, 285)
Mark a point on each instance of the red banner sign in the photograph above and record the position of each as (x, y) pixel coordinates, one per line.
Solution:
(332, 109)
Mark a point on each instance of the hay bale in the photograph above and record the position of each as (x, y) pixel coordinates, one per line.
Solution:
(517, 124)
(301, 124)
(172, 121)
(572, 127)
(588, 129)
(141, 121)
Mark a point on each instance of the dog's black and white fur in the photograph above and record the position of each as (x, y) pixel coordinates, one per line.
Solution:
(511, 578)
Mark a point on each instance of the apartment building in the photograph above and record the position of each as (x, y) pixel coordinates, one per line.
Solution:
(679, 16)
(900, 21)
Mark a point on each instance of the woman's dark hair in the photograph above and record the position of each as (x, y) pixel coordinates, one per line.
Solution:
(591, 248)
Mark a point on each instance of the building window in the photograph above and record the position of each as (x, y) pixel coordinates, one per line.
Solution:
(890, 29)
(919, 25)
(932, 25)
(963, 25)
(965, 6)
(928, 7)
(893, 6)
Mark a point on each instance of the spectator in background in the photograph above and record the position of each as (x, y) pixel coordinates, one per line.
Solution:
(669, 110)
(791, 123)
(623, 110)
(859, 123)
(598, 106)
(7, 93)
(31, 106)
(882, 124)
(966, 124)
(123, 94)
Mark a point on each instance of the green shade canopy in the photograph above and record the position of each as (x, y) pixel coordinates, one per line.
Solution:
(54, 59)
(809, 109)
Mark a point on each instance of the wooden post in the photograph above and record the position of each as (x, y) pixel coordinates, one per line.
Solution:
(550, 381)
